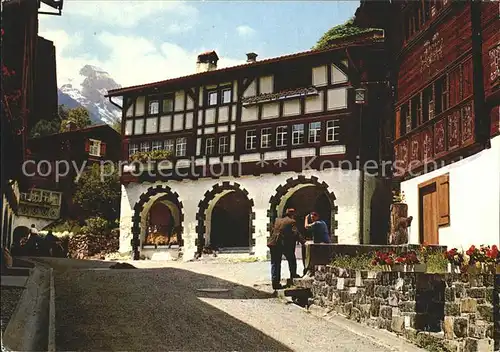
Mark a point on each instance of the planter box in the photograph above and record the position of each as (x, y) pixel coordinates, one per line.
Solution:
(454, 269)
(416, 268)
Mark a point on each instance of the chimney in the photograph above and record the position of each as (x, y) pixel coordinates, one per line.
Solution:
(207, 62)
(251, 57)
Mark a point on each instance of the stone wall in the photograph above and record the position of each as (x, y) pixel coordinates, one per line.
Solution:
(454, 312)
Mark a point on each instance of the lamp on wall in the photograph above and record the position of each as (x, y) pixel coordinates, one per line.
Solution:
(360, 96)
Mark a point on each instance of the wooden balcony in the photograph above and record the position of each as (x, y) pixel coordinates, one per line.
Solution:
(436, 139)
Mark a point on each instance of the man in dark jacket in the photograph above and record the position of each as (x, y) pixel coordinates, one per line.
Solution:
(282, 242)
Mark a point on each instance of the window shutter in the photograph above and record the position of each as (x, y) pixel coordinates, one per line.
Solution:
(103, 149)
(443, 193)
(87, 145)
(398, 123)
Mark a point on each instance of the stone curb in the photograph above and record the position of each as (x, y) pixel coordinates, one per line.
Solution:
(52, 315)
(29, 328)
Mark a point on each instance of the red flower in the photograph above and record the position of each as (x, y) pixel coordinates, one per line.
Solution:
(3, 32)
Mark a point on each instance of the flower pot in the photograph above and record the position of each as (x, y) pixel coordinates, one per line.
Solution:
(416, 268)
(386, 267)
(398, 267)
(454, 269)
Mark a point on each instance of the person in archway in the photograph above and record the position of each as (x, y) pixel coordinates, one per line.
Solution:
(33, 244)
(282, 242)
(50, 244)
(318, 227)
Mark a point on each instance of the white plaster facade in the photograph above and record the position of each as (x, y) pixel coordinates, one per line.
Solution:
(345, 184)
(474, 191)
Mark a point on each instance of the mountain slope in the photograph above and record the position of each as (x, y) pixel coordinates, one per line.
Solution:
(90, 95)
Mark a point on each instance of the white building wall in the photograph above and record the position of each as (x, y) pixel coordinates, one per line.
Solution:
(344, 184)
(474, 200)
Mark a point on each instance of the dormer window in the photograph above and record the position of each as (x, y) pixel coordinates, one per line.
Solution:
(154, 107)
(226, 96)
(212, 98)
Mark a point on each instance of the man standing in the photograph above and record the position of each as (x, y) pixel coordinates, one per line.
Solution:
(318, 228)
(282, 242)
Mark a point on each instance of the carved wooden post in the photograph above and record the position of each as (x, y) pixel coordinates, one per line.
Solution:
(398, 211)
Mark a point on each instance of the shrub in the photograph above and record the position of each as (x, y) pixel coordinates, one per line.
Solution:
(96, 226)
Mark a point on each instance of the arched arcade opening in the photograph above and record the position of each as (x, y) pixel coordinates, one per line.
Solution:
(304, 195)
(157, 219)
(225, 218)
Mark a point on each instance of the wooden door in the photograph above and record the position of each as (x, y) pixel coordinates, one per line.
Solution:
(429, 214)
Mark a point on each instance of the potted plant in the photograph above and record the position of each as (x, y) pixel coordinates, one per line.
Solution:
(385, 260)
(476, 259)
(411, 263)
(455, 260)
(492, 258)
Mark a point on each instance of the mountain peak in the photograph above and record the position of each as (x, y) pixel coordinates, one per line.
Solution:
(90, 95)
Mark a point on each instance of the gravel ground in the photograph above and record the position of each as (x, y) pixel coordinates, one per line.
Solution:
(161, 309)
(10, 297)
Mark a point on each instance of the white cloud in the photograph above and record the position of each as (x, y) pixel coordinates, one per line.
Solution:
(131, 60)
(128, 14)
(245, 30)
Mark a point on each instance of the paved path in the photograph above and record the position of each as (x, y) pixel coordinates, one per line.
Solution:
(162, 309)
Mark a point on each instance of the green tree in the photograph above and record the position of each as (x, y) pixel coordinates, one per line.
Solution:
(117, 126)
(98, 192)
(79, 116)
(46, 127)
(341, 31)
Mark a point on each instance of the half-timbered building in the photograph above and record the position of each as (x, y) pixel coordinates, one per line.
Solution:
(249, 141)
(446, 126)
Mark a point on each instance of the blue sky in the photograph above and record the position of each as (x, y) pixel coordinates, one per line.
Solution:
(144, 41)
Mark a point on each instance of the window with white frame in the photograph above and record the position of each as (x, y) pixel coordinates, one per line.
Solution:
(156, 145)
(154, 107)
(226, 96)
(223, 145)
(169, 145)
(314, 132)
(95, 147)
(298, 134)
(265, 137)
(212, 98)
(281, 135)
(332, 131)
(133, 148)
(251, 139)
(209, 146)
(181, 146)
(145, 147)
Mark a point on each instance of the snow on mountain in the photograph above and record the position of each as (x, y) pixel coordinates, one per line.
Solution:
(90, 95)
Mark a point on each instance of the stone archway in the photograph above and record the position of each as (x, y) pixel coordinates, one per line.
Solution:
(146, 200)
(311, 194)
(225, 217)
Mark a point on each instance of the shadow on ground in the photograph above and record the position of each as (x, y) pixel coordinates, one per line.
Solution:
(150, 310)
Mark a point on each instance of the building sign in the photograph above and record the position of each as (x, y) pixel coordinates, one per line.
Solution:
(433, 52)
(495, 65)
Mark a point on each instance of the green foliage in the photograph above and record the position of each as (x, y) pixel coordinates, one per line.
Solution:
(117, 126)
(63, 111)
(359, 262)
(96, 226)
(45, 128)
(68, 225)
(79, 116)
(98, 192)
(436, 263)
(341, 31)
(151, 155)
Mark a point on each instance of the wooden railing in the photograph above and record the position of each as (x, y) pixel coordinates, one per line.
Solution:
(435, 139)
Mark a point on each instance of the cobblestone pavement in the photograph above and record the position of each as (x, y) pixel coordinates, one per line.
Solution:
(162, 309)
